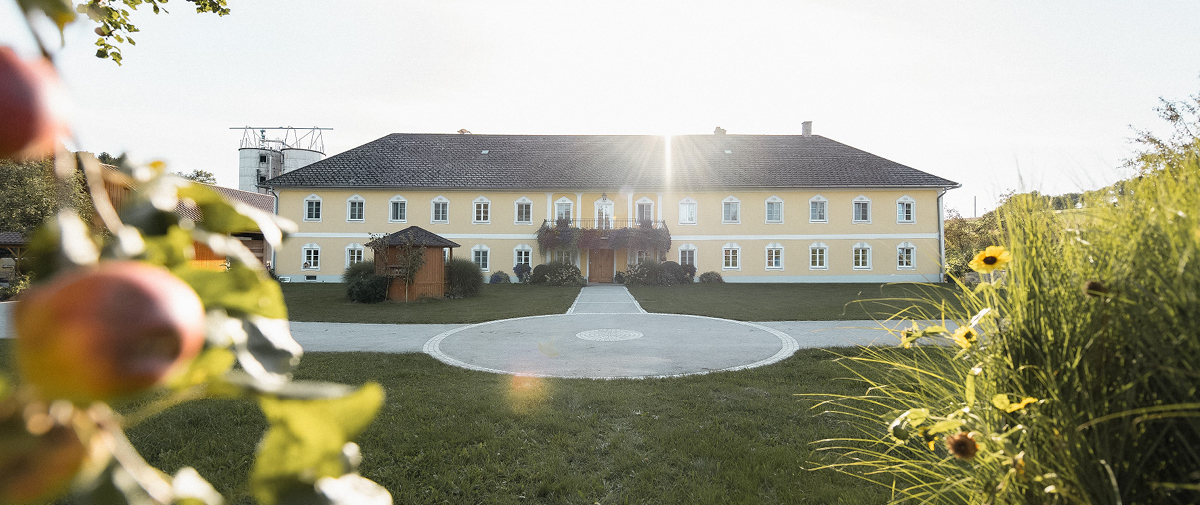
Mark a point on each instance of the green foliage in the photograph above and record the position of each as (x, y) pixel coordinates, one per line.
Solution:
(500, 277)
(1159, 152)
(362, 285)
(557, 274)
(653, 273)
(29, 196)
(15, 286)
(464, 278)
(197, 175)
(562, 237)
(1078, 382)
(619, 278)
(711, 278)
(538, 275)
(966, 237)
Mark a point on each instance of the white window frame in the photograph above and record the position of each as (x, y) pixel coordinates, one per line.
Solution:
(305, 263)
(824, 209)
(774, 246)
(689, 248)
(863, 246)
(737, 256)
(571, 257)
(734, 203)
(356, 199)
(570, 208)
(605, 210)
(313, 198)
(767, 216)
(901, 203)
(517, 210)
(640, 256)
(860, 199)
(522, 248)
(487, 256)
(404, 205)
(823, 256)
(912, 256)
(355, 247)
(637, 210)
(686, 202)
(433, 204)
(484, 204)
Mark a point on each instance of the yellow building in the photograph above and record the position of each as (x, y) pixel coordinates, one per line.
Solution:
(756, 208)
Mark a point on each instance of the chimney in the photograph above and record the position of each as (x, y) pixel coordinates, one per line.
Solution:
(807, 128)
(719, 131)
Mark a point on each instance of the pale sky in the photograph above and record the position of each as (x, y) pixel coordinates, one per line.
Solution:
(986, 93)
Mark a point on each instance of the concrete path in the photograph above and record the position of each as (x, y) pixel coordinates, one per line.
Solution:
(605, 334)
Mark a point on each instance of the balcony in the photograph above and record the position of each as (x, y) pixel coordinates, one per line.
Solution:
(604, 223)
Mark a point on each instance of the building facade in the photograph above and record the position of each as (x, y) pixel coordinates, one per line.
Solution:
(756, 208)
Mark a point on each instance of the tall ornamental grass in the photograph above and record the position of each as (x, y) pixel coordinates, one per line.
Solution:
(1072, 374)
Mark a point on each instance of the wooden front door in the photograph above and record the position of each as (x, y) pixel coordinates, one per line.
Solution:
(600, 265)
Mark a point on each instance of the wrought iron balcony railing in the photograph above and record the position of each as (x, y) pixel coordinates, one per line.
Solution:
(605, 223)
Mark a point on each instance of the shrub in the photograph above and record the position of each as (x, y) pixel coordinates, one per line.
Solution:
(14, 288)
(642, 274)
(619, 278)
(538, 274)
(689, 271)
(362, 285)
(500, 277)
(522, 272)
(465, 278)
(562, 274)
(372, 289)
(670, 274)
(711, 278)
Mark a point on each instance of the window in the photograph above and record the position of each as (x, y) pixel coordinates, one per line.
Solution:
(731, 210)
(905, 252)
(604, 213)
(687, 254)
(862, 256)
(774, 256)
(262, 158)
(355, 208)
(774, 210)
(312, 208)
(441, 210)
(732, 257)
(311, 254)
(522, 255)
(479, 254)
(483, 213)
(905, 212)
(645, 211)
(354, 254)
(817, 254)
(563, 257)
(397, 209)
(687, 211)
(817, 209)
(862, 209)
(524, 211)
(562, 209)
(642, 257)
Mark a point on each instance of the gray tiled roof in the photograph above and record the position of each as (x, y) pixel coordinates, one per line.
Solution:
(450, 161)
(11, 238)
(419, 236)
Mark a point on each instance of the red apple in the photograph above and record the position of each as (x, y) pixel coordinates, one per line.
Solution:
(28, 91)
(36, 465)
(105, 332)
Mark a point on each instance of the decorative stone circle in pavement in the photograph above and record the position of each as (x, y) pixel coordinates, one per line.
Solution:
(608, 335)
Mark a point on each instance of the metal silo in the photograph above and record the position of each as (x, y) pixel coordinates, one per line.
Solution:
(260, 158)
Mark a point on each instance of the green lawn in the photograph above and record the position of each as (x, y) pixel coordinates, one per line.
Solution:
(447, 435)
(327, 303)
(785, 302)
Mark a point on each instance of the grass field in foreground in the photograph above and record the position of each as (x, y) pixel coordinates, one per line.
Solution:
(447, 435)
(785, 302)
(326, 302)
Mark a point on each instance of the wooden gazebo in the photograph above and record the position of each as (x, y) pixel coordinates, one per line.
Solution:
(12, 251)
(430, 280)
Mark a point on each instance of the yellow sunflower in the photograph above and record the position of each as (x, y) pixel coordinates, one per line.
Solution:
(965, 336)
(992, 258)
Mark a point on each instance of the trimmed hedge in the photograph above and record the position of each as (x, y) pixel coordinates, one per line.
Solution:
(711, 278)
(465, 278)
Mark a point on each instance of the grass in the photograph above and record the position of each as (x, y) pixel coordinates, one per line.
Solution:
(786, 302)
(327, 303)
(447, 435)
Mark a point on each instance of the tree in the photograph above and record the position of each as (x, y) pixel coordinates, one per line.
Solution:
(1160, 152)
(28, 195)
(409, 259)
(203, 176)
(108, 159)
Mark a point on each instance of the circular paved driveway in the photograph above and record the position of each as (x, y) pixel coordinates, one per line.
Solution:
(611, 346)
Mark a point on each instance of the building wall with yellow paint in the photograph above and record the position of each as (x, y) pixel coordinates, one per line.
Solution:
(710, 235)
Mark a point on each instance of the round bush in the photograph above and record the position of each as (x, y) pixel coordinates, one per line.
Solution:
(563, 274)
(619, 278)
(711, 278)
(500, 277)
(522, 272)
(358, 271)
(670, 273)
(465, 278)
(689, 271)
(371, 289)
(538, 275)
